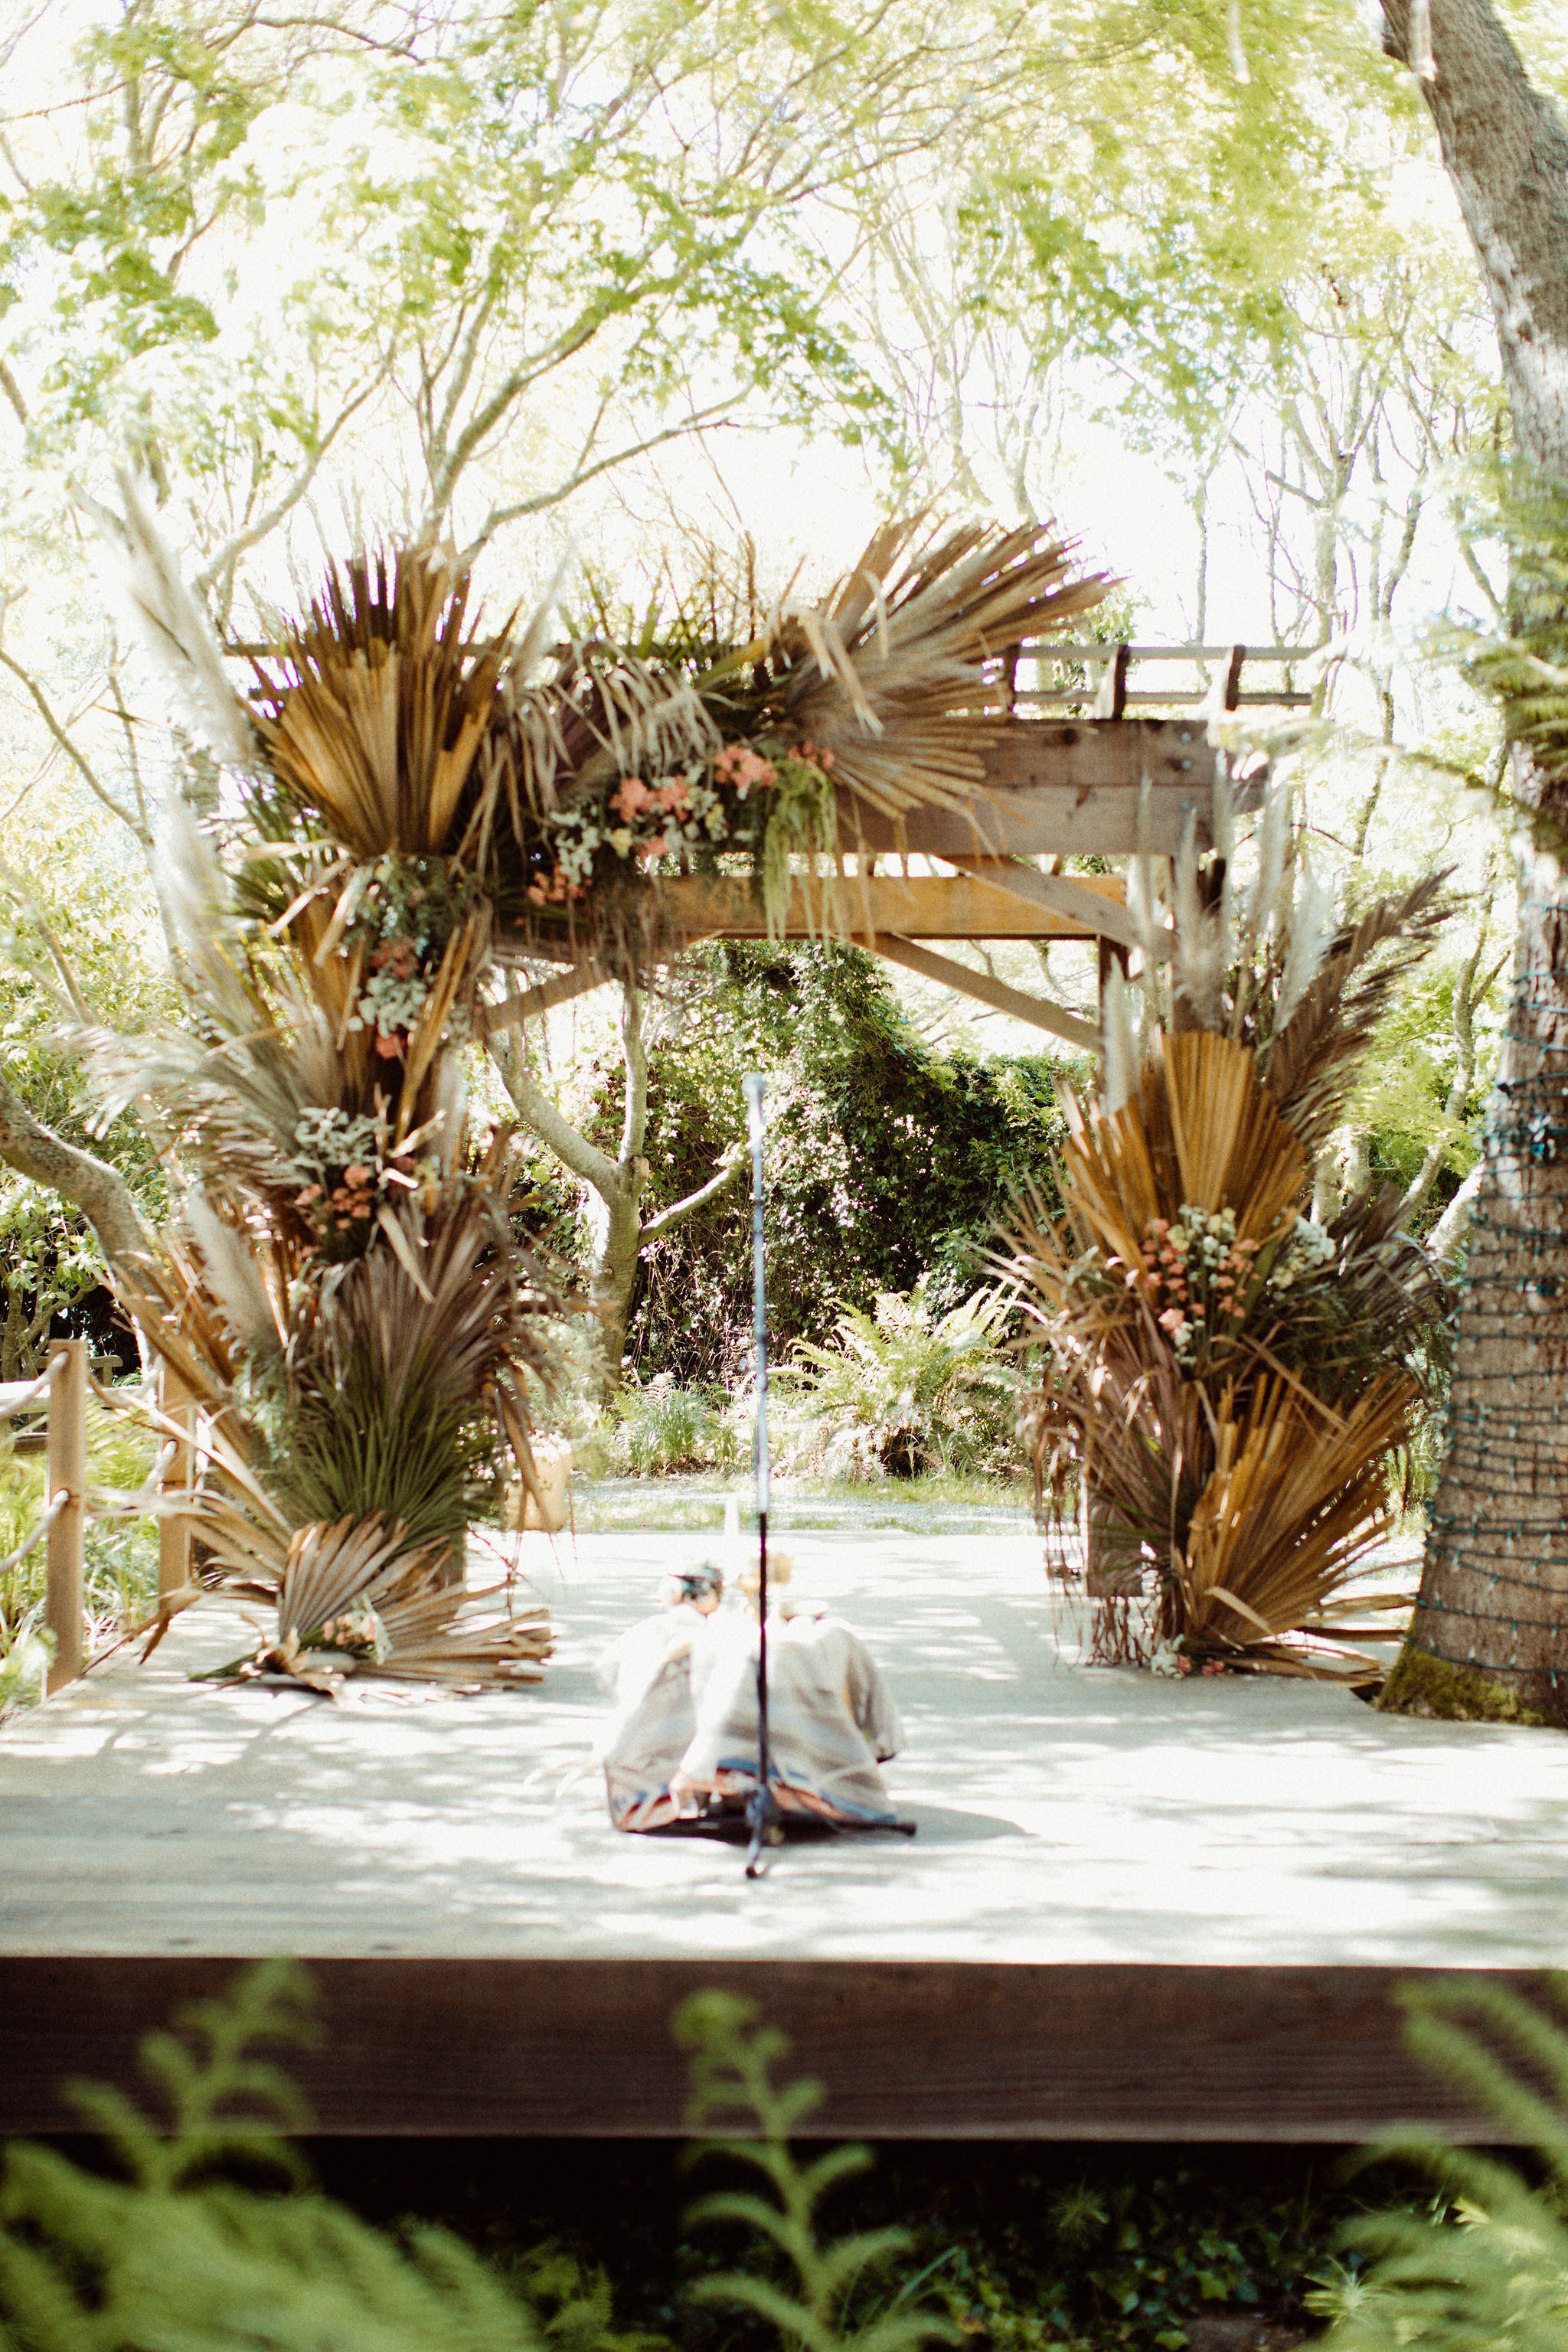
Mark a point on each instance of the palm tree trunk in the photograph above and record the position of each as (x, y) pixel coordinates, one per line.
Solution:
(1491, 1631)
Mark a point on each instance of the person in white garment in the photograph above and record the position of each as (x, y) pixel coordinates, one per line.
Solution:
(681, 1746)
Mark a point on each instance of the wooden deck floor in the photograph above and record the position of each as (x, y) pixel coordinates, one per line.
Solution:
(1133, 1909)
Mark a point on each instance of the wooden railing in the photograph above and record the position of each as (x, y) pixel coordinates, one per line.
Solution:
(1107, 691)
(69, 1502)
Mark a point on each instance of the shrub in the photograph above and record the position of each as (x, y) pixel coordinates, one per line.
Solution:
(660, 1430)
(903, 1389)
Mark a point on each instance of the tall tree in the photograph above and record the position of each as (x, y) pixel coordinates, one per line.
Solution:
(1490, 1629)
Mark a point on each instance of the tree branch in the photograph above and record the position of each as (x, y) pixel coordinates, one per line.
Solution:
(99, 1191)
(99, 791)
(241, 541)
(540, 1113)
(679, 1211)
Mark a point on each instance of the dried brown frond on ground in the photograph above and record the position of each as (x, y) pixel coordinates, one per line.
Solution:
(358, 1597)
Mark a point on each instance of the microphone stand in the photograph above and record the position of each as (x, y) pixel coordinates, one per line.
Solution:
(762, 1811)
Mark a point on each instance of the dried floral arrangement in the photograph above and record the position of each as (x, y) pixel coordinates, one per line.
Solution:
(1215, 1379)
(413, 808)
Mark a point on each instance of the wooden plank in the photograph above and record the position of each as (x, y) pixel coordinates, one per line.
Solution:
(904, 2049)
(926, 906)
(68, 1476)
(1069, 789)
(174, 1533)
(1037, 1010)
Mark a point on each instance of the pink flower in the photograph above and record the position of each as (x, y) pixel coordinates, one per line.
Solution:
(633, 795)
(358, 1174)
(303, 1199)
(673, 796)
(738, 765)
(389, 1048)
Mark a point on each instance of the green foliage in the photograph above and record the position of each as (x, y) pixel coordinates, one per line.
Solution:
(1118, 2252)
(661, 1429)
(1486, 2265)
(174, 2248)
(886, 1160)
(1525, 665)
(812, 2294)
(901, 1389)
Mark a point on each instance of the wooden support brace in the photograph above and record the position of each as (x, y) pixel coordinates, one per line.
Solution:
(67, 1475)
(1037, 1010)
(1064, 894)
(513, 1010)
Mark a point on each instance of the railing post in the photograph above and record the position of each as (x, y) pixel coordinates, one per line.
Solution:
(174, 1535)
(66, 1473)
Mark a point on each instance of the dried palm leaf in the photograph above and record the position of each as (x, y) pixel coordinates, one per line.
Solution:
(1311, 1061)
(1290, 1509)
(374, 727)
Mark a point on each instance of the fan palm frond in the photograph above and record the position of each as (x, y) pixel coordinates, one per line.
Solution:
(1296, 1500)
(385, 695)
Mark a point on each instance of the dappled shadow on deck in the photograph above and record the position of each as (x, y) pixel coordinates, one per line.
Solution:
(1065, 1813)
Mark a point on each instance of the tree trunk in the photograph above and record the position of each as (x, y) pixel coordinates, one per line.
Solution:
(1491, 1630)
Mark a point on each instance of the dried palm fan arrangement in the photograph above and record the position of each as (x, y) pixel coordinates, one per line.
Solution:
(403, 756)
(1218, 1379)
(420, 805)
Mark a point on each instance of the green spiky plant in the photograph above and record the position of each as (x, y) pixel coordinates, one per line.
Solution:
(810, 2293)
(1486, 2265)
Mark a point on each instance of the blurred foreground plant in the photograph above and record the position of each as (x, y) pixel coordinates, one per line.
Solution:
(824, 2307)
(209, 2240)
(1486, 2266)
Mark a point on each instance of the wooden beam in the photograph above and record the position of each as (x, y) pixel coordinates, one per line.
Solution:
(1069, 789)
(514, 1009)
(1037, 1010)
(922, 907)
(921, 2050)
(1080, 896)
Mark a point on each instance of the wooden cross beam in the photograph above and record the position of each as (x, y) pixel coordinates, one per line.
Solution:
(1108, 788)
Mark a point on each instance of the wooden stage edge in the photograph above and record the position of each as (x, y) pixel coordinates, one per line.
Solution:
(534, 2048)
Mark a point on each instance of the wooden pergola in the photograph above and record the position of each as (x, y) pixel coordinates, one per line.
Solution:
(1105, 787)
